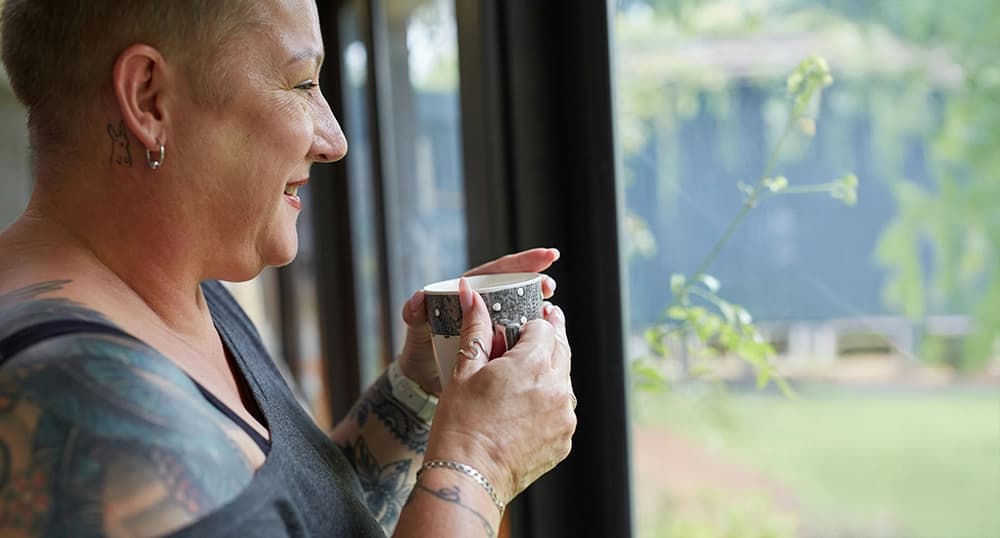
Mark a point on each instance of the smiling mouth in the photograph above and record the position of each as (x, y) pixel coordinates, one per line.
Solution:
(292, 193)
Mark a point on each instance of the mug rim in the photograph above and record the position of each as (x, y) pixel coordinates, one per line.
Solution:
(451, 285)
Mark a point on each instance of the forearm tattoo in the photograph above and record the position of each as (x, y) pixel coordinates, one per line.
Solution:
(403, 423)
(386, 484)
(100, 435)
(453, 495)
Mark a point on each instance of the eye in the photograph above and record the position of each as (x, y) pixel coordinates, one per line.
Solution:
(307, 85)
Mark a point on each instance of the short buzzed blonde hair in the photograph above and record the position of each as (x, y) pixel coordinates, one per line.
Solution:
(59, 54)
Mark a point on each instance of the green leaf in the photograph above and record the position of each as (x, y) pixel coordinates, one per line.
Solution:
(654, 337)
(710, 282)
(677, 312)
(677, 283)
(647, 378)
(846, 189)
(777, 184)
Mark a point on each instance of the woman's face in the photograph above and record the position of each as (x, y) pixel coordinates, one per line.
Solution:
(251, 154)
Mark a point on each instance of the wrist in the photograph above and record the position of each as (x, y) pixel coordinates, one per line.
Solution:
(420, 370)
(409, 393)
(470, 473)
(475, 452)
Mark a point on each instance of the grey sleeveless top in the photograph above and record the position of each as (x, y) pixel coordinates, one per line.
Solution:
(306, 487)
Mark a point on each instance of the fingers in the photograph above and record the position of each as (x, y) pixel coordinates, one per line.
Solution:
(499, 341)
(535, 344)
(561, 353)
(414, 312)
(548, 287)
(535, 260)
(476, 338)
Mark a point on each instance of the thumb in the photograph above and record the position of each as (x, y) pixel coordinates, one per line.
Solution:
(476, 338)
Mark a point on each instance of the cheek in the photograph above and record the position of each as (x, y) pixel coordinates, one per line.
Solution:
(291, 126)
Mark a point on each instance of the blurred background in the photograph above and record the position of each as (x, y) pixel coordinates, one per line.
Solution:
(883, 315)
(477, 129)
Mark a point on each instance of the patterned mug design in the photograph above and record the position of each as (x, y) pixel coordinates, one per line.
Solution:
(509, 307)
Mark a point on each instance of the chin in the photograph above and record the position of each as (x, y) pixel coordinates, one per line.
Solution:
(282, 252)
(242, 269)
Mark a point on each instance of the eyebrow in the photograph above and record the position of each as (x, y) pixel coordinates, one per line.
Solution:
(307, 54)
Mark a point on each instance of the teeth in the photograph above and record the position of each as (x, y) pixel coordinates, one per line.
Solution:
(291, 190)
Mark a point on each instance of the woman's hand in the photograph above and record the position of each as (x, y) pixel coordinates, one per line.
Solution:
(512, 417)
(417, 358)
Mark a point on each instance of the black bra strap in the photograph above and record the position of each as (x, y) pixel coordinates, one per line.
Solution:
(31, 335)
(34, 334)
(261, 441)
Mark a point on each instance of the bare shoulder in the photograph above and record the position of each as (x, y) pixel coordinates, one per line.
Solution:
(102, 436)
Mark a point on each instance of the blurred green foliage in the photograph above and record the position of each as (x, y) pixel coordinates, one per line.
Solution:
(922, 70)
(956, 221)
(697, 309)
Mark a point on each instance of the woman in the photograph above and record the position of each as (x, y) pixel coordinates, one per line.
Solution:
(169, 140)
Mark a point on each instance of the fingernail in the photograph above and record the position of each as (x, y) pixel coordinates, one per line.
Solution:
(465, 294)
(547, 310)
(415, 301)
(552, 282)
(556, 252)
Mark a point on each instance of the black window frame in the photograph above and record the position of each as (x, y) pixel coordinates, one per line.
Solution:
(540, 170)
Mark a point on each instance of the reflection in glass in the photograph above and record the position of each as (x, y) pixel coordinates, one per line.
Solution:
(364, 217)
(419, 116)
(878, 313)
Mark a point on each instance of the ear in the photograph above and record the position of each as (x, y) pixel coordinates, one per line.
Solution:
(142, 80)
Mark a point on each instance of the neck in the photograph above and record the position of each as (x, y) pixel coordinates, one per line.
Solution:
(100, 239)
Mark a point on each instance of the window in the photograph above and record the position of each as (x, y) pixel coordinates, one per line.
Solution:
(418, 104)
(877, 311)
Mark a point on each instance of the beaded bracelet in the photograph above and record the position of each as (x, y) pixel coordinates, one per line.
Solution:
(472, 473)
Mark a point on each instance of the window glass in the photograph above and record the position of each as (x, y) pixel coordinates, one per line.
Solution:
(260, 299)
(421, 148)
(365, 226)
(836, 235)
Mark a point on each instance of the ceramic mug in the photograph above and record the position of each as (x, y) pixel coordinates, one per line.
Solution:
(511, 298)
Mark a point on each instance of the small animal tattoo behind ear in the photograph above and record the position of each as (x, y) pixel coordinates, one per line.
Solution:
(120, 153)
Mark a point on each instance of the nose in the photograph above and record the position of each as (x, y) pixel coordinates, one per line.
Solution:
(329, 144)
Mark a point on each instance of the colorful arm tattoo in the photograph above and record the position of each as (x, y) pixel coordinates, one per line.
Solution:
(101, 435)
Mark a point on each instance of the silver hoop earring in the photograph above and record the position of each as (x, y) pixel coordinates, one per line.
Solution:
(154, 164)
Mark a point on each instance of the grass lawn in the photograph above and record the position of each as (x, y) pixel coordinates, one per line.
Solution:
(928, 462)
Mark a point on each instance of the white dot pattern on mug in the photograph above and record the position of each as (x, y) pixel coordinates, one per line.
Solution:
(514, 305)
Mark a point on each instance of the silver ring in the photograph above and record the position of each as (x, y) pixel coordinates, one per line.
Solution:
(572, 400)
(477, 341)
(476, 345)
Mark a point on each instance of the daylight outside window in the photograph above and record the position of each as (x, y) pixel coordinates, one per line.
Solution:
(813, 262)
(424, 195)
